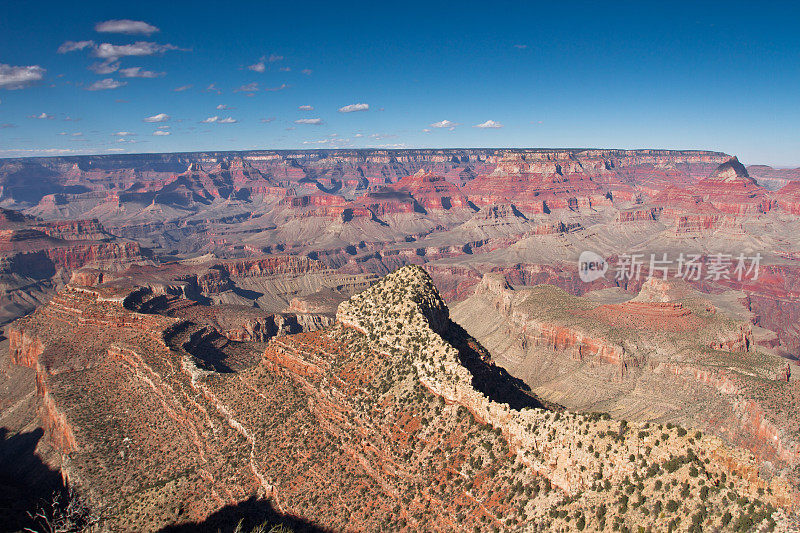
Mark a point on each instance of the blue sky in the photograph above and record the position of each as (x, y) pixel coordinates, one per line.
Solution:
(719, 76)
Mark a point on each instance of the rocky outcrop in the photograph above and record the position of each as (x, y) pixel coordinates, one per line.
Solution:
(390, 407)
(407, 295)
(788, 198)
(535, 332)
(263, 329)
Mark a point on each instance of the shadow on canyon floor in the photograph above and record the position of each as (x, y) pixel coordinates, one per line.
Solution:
(251, 513)
(493, 381)
(25, 480)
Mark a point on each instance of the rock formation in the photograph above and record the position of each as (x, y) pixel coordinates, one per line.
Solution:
(378, 421)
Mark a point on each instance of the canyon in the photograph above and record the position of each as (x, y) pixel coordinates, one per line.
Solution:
(404, 339)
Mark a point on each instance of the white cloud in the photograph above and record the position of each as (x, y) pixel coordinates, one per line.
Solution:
(381, 136)
(444, 124)
(333, 141)
(217, 120)
(126, 26)
(123, 134)
(307, 71)
(182, 88)
(274, 57)
(285, 69)
(160, 133)
(161, 117)
(312, 121)
(213, 89)
(267, 120)
(258, 67)
(426, 130)
(164, 127)
(106, 84)
(104, 67)
(71, 46)
(490, 124)
(306, 108)
(40, 151)
(354, 107)
(19, 77)
(223, 106)
(137, 72)
(278, 88)
(42, 116)
(248, 88)
(139, 48)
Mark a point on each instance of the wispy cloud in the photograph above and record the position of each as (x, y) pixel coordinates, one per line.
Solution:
(248, 88)
(489, 124)
(444, 124)
(123, 134)
(161, 117)
(312, 121)
(382, 136)
(104, 67)
(161, 133)
(307, 71)
(19, 77)
(353, 108)
(137, 72)
(306, 108)
(72, 46)
(521, 46)
(42, 116)
(223, 106)
(182, 88)
(138, 49)
(106, 85)
(278, 88)
(275, 57)
(217, 120)
(39, 151)
(126, 26)
(332, 141)
(213, 89)
(267, 120)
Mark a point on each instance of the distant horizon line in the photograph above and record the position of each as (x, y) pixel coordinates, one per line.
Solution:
(397, 150)
(378, 149)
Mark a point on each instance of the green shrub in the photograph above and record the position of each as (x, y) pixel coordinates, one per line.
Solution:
(672, 506)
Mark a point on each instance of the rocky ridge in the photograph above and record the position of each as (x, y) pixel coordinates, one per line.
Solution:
(192, 436)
